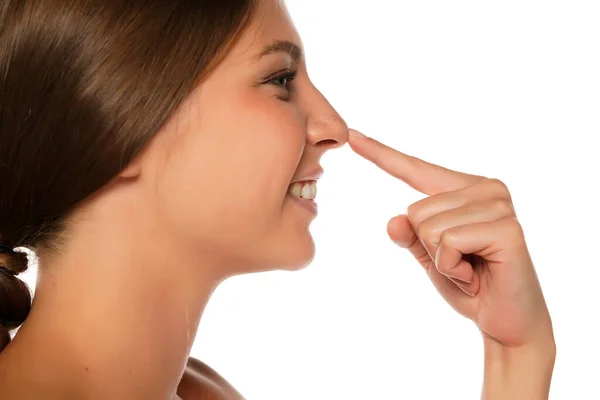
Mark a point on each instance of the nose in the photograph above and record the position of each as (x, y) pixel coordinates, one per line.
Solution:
(326, 128)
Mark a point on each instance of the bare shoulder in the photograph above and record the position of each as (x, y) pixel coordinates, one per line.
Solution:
(199, 381)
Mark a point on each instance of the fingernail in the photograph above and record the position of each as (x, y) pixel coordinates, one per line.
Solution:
(356, 134)
(462, 280)
(465, 289)
(400, 243)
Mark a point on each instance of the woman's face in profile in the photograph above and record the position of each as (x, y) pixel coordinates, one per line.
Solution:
(227, 157)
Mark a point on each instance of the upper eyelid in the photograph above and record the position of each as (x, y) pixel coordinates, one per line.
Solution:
(283, 72)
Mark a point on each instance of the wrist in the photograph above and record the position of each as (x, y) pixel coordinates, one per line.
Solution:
(523, 372)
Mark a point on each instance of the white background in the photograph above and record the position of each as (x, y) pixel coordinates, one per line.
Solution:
(507, 89)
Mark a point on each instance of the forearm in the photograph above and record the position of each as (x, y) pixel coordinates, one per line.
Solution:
(518, 373)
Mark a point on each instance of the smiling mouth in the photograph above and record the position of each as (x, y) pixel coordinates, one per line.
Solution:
(303, 190)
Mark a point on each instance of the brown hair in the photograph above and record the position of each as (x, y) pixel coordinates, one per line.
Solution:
(84, 85)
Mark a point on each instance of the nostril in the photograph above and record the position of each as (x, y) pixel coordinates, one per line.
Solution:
(328, 142)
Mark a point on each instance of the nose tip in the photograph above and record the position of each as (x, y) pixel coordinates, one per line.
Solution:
(330, 133)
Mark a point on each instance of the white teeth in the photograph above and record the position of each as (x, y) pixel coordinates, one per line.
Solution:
(295, 190)
(305, 190)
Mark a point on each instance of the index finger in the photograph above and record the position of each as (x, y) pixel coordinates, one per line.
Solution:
(421, 175)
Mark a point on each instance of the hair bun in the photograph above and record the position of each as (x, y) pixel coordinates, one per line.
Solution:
(15, 296)
(12, 262)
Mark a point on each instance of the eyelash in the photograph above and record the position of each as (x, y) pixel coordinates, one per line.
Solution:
(288, 75)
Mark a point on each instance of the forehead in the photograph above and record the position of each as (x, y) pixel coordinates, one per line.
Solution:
(271, 23)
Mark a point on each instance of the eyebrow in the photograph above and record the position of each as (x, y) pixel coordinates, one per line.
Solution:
(283, 46)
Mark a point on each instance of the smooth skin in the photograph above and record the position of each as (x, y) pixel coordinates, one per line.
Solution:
(116, 311)
(467, 238)
(117, 307)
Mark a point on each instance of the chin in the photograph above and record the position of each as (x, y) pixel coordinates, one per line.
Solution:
(291, 255)
(300, 257)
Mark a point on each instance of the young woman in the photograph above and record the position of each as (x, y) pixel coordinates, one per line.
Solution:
(151, 149)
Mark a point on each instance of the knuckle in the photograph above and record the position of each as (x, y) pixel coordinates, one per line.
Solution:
(410, 211)
(497, 182)
(414, 208)
(418, 212)
(414, 213)
(428, 234)
(498, 187)
(502, 207)
(515, 228)
(446, 237)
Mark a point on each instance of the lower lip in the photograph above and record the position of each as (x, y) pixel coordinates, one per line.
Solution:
(309, 205)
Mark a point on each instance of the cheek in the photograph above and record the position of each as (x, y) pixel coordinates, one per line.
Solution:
(270, 136)
(229, 177)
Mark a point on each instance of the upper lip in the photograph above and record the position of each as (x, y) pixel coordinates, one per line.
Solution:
(311, 175)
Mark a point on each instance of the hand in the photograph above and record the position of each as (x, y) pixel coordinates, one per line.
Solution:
(467, 237)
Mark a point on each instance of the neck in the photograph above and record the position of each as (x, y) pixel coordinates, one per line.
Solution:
(117, 323)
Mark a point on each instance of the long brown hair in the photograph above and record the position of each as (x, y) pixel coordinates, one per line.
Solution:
(84, 85)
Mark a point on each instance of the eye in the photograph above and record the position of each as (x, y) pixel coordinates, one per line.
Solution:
(283, 79)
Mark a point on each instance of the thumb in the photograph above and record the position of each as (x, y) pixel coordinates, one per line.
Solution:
(402, 233)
